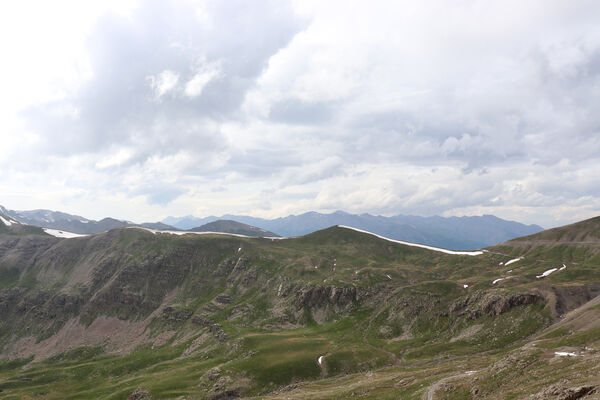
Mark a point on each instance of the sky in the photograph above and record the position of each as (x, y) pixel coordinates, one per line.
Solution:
(144, 109)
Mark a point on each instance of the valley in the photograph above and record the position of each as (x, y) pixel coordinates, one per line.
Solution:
(335, 314)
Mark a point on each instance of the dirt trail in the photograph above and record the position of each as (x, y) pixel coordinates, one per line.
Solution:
(432, 389)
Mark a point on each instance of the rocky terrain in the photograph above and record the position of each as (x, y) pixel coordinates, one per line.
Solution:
(338, 313)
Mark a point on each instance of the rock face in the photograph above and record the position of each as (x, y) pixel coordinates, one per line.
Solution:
(561, 393)
(492, 304)
(570, 297)
(321, 296)
(215, 329)
(176, 316)
(324, 303)
(501, 304)
(140, 394)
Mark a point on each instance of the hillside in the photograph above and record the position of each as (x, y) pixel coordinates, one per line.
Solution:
(584, 232)
(228, 226)
(10, 226)
(334, 314)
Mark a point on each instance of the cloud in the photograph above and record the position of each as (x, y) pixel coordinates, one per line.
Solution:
(163, 82)
(195, 86)
(276, 107)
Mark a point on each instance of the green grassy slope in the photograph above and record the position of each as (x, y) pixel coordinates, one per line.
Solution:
(211, 316)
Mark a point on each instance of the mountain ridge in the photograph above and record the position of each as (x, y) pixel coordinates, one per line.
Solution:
(457, 233)
(230, 226)
(219, 316)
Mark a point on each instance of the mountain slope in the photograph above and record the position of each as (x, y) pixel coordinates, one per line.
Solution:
(10, 226)
(587, 232)
(457, 233)
(73, 223)
(334, 314)
(228, 226)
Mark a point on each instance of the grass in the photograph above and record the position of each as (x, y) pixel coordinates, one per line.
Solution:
(406, 314)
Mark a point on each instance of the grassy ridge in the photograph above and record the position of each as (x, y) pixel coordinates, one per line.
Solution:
(236, 322)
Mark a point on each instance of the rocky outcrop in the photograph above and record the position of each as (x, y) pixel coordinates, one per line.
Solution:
(499, 305)
(140, 394)
(325, 295)
(567, 298)
(215, 329)
(38, 312)
(478, 304)
(558, 392)
(176, 315)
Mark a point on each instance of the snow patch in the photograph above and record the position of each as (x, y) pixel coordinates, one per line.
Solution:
(564, 354)
(497, 280)
(320, 360)
(6, 222)
(546, 273)
(389, 277)
(465, 286)
(62, 234)
(563, 267)
(179, 233)
(514, 260)
(464, 253)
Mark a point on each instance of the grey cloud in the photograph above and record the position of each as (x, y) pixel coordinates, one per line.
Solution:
(296, 111)
(449, 120)
(117, 106)
(160, 193)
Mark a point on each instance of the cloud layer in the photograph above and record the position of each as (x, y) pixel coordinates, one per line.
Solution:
(270, 108)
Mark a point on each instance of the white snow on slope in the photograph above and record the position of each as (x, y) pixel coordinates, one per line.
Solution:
(464, 253)
(179, 233)
(546, 273)
(62, 234)
(465, 286)
(563, 267)
(564, 354)
(514, 260)
(7, 222)
(497, 280)
(320, 360)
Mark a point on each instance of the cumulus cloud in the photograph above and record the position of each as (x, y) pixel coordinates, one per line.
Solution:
(195, 86)
(275, 107)
(163, 82)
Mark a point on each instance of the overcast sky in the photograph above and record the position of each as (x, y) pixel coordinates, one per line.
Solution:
(140, 110)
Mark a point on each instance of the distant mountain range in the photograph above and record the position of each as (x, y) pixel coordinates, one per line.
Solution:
(458, 233)
(22, 221)
(139, 315)
(74, 223)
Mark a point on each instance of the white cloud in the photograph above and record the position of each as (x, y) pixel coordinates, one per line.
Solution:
(387, 107)
(163, 83)
(115, 159)
(205, 74)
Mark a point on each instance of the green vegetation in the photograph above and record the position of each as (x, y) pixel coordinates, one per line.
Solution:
(203, 316)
